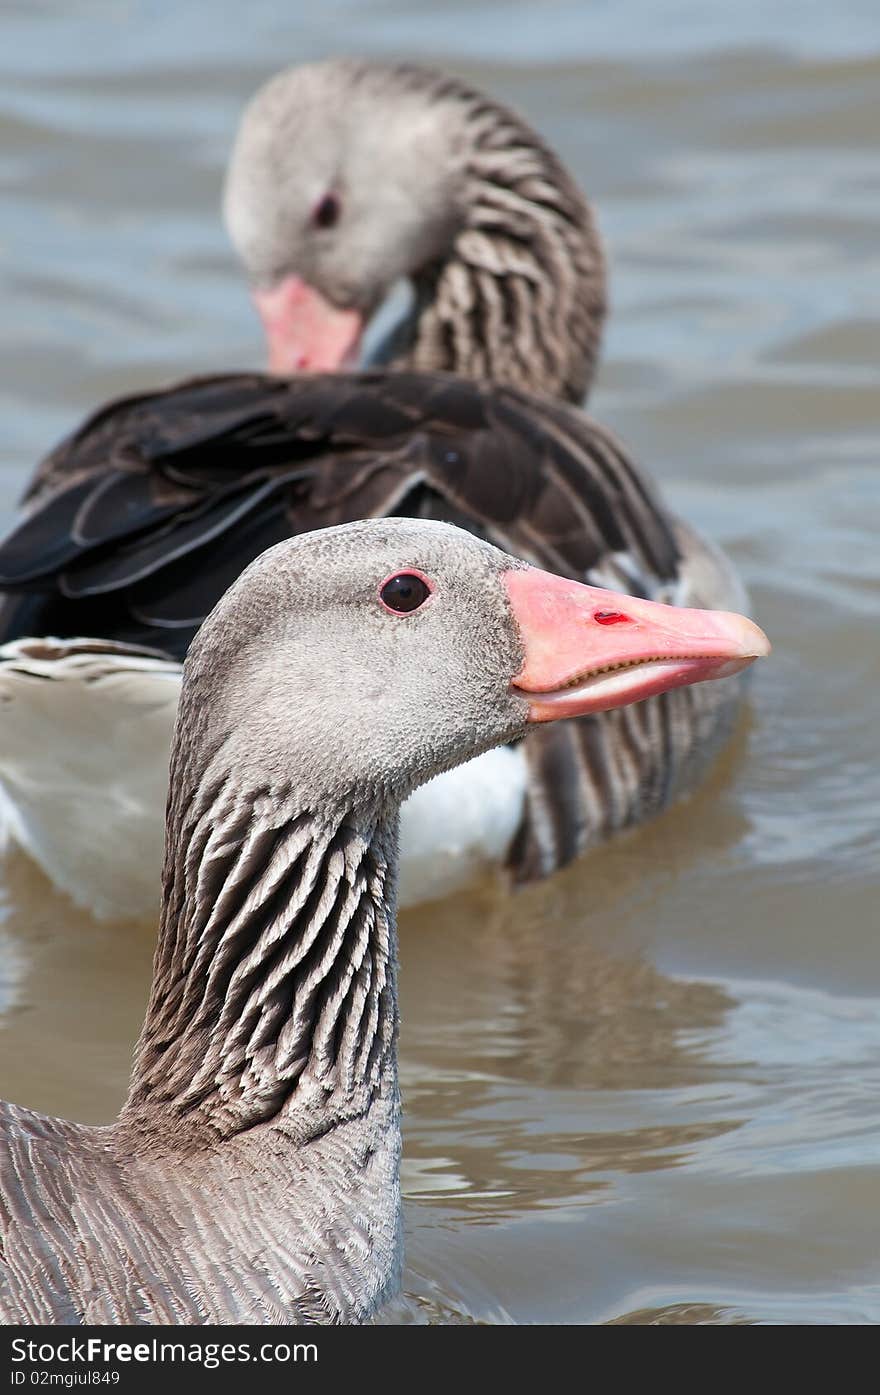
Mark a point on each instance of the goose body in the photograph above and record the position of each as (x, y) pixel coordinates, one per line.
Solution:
(253, 1172)
(134, 526)
(139, 520)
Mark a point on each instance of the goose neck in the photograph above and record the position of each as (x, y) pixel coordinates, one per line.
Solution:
(274, 992)
(519, 299)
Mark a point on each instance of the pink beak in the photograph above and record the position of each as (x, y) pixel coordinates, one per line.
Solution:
(305, 333)
(588, 650)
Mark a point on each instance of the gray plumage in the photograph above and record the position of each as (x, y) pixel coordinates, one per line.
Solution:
(252, 1175)
(437, 183)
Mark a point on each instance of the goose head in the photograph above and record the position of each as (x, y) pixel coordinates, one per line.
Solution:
(347, 176)
(362, 660)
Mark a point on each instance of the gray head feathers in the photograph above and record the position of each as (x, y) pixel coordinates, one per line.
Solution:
(389, 142)
(301, 675)
(431, 181)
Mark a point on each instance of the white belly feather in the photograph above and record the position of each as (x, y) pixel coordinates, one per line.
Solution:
(459, 824)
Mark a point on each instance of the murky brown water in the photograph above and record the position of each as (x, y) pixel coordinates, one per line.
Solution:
(649, 1091)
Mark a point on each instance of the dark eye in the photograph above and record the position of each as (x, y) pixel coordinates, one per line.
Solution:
(326, 211)
(404, 592)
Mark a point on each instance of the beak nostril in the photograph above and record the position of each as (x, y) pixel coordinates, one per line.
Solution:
(610, 617)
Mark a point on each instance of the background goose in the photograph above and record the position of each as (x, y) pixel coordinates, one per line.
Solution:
(346, 176)
(252, 1175)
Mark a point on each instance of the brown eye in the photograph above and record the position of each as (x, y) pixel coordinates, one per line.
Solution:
(326, 212)
(403, 592)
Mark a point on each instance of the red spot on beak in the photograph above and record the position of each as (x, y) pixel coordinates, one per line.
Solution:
(610, 617)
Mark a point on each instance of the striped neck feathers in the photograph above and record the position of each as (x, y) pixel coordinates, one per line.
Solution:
(520, 298)
(274, 989)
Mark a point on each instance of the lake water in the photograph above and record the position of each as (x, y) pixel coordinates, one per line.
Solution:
(649, 1090)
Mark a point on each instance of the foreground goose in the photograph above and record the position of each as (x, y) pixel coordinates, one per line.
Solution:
(345, 177)
(252, 1175)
